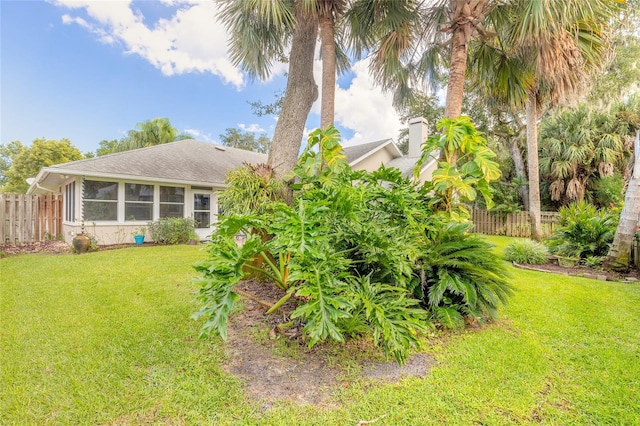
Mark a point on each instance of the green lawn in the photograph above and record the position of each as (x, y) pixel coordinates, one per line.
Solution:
(105, 338)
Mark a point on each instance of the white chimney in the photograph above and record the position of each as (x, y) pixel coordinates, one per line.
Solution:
(418, 133)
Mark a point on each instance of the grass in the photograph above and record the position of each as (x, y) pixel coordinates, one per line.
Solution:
(105, 338)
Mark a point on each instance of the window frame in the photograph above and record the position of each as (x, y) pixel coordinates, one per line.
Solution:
(96, 201)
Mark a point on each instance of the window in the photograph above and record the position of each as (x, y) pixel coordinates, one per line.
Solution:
(100, 200)
(138, 201)
(70, 202)
(171, 201)
(202, 210)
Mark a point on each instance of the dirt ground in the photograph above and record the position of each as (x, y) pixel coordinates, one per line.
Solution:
(632, 275)
(277, 367)
(39, 247)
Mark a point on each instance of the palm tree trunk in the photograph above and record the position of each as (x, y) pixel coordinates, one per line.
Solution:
(620, 251)
(328, 51)
(299, 96)
(518, 164)
(455, 86)
(532, 160)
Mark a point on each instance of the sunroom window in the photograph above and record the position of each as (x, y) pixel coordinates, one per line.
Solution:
(171, 201)
(138, 201)
(70, 202)
(100, 200)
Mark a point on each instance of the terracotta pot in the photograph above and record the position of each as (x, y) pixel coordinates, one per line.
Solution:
(81, 243)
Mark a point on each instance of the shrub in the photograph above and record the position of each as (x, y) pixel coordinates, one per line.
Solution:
(172, 230)
(584, 231)
(526, 251)
(250, 189)
(460, 276)
(361, 253)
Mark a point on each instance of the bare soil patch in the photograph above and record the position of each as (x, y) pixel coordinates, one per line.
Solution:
(282, 368)
(48, 247)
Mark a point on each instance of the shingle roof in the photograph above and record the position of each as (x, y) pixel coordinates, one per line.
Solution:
(357, 151)
(186, 160)
(405, 164)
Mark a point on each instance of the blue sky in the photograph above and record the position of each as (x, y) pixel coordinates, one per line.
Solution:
(91, 70)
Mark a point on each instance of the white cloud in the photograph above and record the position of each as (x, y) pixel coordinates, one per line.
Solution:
(192, 40)
(362, 107)
(199, 135)
(254, 128)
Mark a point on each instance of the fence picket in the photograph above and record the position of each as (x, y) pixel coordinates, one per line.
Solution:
(29, 218)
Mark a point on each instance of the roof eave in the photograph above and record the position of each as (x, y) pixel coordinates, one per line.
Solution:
(63, 171)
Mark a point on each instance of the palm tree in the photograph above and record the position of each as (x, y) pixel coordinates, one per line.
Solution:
(414, 39)
(259, 32)
(578, 147)
(618, 256)
(329, 13)
(542, 52)
(149, 133)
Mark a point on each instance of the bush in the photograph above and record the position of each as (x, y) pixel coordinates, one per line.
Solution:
(172, 230)
(584, 231)
(361, 253)
(460, 276)
(526, 251)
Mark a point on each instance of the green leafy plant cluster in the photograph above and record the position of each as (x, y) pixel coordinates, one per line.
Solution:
(584, 231)
(526, 251)
(172, 230)
(361, 253)
(465, 167)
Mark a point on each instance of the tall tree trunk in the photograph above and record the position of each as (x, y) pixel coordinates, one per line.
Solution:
(521, 172)
(299, 96)
(328, 52)
(462, 14)
(532, 160)
(455, 86)
(620, 251)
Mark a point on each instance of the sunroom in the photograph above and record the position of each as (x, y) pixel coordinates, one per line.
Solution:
(113, 195)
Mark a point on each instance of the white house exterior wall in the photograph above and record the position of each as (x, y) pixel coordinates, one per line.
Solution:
(119, 231)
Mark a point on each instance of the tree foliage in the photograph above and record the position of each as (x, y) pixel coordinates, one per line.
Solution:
(26, 162)
(577, 148)
(152, 132)
(242, 139)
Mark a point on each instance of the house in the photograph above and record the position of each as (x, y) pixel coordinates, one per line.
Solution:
(370, 156)
(117, 193)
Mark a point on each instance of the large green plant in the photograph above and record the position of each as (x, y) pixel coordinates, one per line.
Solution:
(584, 231)
(309, 260)
(349, 252)
(460, 276)
(465, 168)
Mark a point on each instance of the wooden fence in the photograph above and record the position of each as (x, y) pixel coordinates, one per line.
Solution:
(29, 218)
(511, 224)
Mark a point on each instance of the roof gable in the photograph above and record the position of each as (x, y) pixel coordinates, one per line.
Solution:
(357, 153)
